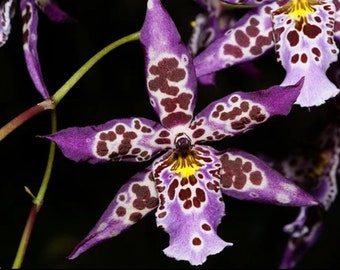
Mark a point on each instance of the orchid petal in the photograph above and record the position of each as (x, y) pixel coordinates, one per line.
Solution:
(132, 139)
(248, 39)
(246, 177)
(248, 2)
(170, 74)
(29, 15)
(7, 12)
(134, 200)
(53, 11)
(337, 20)
(191, 204)
(306, 48)
(304, 232)
(241, 111)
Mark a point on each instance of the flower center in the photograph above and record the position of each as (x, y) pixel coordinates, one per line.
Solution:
(298, 9)
(185, 159)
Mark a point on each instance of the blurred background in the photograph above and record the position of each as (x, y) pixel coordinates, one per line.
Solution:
(115, 87)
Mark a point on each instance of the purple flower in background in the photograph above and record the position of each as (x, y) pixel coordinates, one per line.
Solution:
(316, 169)
(302, 33)
(29, 14)
(185, 183)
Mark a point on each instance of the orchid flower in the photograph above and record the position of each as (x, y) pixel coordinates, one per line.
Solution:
(316, 170)
(186, 180)
(29, 14)
(208, 26)
(302, 33)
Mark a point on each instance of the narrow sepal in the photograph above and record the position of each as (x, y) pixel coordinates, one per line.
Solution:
(246, 177)
(132, 139)
(241, 111)
(134, 200)
(170, 75)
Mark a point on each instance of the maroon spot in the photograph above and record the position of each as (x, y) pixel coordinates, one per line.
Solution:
(187, 204)
(162, 214)
(242, 39)
(232, 50)
(244, 106)
(137, 124)
(240, 180)
(135, 217)
(196, 202)
(130, 135)
(255, 50)
(311, 30)
(121, 197)
(200, 194)
(135, 151)
(146, 129)
(144, 154)
(206, 227)
(184, 194)
(102, 149)
(304, 58)
(256, 177)
(316, 51)
(247, 167)
(163, 141)
(293, 38)
(255, 114)
(196, 241)
(176, 118)
(164, 133)
(172, 189)
(198, 133)
(252, 31)
(295, 58)
(234, 99)
(120, 129)
(121, 211)
(151, 202)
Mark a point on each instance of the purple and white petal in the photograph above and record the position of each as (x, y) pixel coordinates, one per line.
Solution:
(337, 20)
(241, 111)
(53, 11)
(190, 203)
(248, 39)
(305, 47)
(7, 11)
(137, 198)
(170, 74)
(246, 177)
(250, 2)
(132, 139)
(29, 13)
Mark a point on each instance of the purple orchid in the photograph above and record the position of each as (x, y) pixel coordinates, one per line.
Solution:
(29, 14)
(315, 169)
(302, 33)
(210, 25)
(185, 183)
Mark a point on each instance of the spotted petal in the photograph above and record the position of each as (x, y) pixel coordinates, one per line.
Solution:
(337, 20)
(248, 2)
(7, 11)
(248, 39)
(190, 204)
(246, 177)
(241, 111)
(134, 200)
(132, 139)
(305, 46)
(170, 75)
(29, 13)
(53, 11)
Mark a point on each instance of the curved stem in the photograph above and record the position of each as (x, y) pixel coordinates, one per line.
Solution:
(37, 201)
(50, 104)
(75, 78)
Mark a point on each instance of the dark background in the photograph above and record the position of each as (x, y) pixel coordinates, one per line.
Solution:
(115, 87)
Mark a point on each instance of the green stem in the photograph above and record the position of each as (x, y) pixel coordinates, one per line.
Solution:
(50, 104)
(94, 59)
(37, 201)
